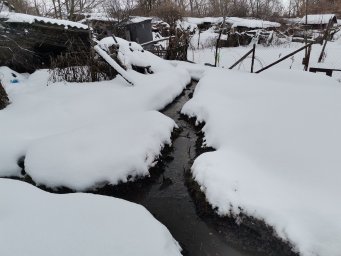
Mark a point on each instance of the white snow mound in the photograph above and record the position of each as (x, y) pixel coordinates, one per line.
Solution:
(278, 141)
(37, 223)
(82, 135)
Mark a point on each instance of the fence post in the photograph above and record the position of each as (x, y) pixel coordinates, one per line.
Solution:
(253, 57)
(241, 59)
(326, 35)
(284, 58)
(216, 48)
(307, 59)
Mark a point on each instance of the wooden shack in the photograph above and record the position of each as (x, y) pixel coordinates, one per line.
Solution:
(30, 42)
(102, 25)
(318, 21)
(137, 29)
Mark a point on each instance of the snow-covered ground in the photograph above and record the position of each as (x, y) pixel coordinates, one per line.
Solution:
(84, 135)
(277, 136)
(34, 222)
(265, 55)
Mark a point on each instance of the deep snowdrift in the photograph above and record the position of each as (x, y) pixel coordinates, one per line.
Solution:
(81, 135)
(278, 141)
(36, 223)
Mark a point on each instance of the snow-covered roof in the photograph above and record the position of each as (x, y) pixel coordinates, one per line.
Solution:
(251, 23)
(198, 21)
(234, 21)
(316, 19)
(138, 19)
(98, 16)
(26, 18)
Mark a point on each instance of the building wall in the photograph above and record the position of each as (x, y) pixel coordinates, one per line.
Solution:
(140, 32)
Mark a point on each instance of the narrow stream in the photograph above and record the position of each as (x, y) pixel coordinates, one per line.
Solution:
(167, 196)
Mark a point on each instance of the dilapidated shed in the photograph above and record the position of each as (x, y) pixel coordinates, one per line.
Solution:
(102, 25)
(30, 42)
(134, 28)
(243, 25)
(318, 21)
(137, 29)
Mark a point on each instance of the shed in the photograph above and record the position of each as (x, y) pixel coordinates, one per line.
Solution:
(318, 21)
(137, 29)
(101, 24)
(243, 25)
(29, 42)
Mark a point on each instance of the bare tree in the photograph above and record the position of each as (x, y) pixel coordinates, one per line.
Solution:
(119, 9)
(69, 9)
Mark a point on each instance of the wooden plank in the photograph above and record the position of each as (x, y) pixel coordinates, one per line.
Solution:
(241, 59)
(284, 58)
(156, 41)
(253, 57)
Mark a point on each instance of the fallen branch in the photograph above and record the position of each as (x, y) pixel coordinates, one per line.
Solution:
(114, 64)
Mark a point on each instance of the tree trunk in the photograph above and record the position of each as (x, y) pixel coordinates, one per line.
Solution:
(4, 101)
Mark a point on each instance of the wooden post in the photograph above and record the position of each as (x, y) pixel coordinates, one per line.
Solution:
(216, 48)
(326, 35)
(253, 57)
(307, 59)
(284, 58)
(241, 59)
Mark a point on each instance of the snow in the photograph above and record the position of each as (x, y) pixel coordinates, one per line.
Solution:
(114, 64)
(4, 7)
(82, 135)
(138, 19)
(266, 55)
(277, 136)
(251, 23)
(197, 21)
(96, 16)
(205, 39)
(234, 21)
(7, 76)
(131, 53)
(318, 19)
(34, 222)
(26, 18)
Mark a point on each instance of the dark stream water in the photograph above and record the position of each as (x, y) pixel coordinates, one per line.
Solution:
(168, 198)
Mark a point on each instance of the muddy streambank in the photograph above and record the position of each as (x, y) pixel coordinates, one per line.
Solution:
(175, 199)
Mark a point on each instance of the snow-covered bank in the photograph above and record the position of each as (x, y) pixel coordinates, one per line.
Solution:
(81, 135)
(277, 139)
(37, 223)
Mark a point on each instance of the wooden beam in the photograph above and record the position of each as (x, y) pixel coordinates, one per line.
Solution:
(156, 41)
(284, 58)
(241, 59)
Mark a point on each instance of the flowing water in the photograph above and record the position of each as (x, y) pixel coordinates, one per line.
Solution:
(167, 196)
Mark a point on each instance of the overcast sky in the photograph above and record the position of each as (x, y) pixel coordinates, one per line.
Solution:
(285, 2)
